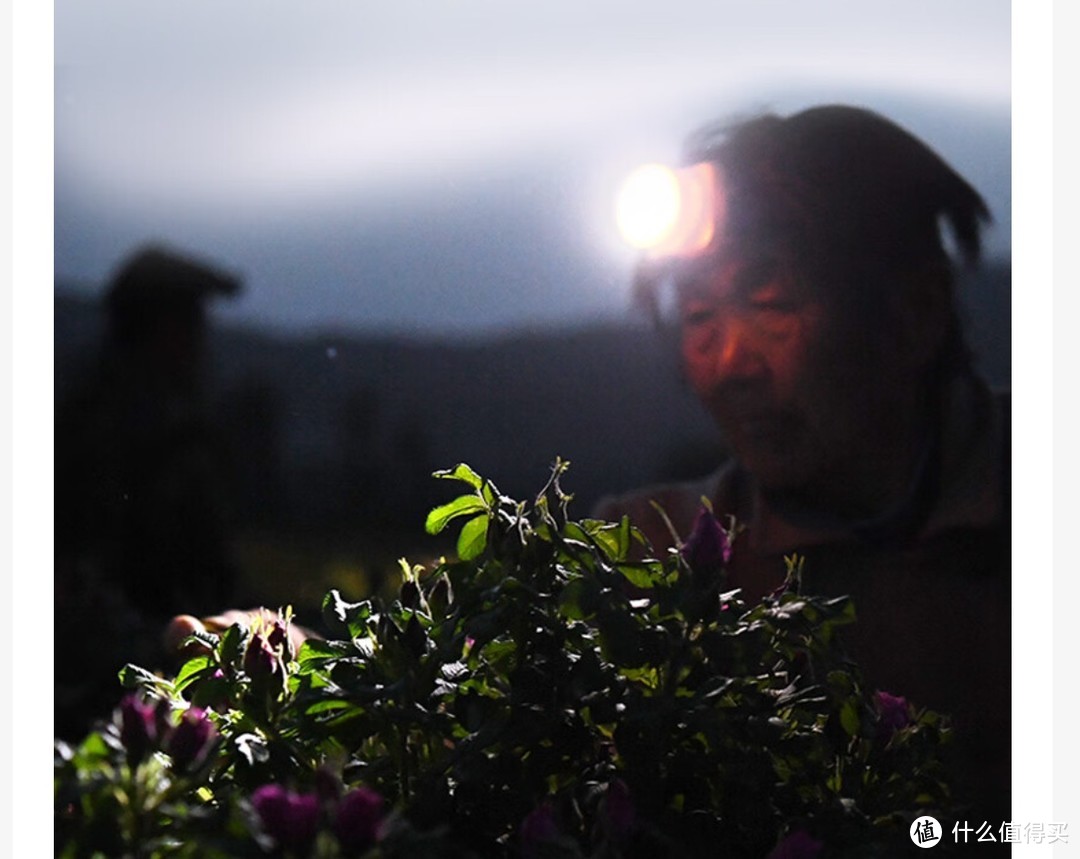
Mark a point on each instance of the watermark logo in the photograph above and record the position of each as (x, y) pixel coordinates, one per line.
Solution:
(925, 831)
(1011, 833)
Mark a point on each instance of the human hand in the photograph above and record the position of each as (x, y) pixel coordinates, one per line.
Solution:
(181, 627)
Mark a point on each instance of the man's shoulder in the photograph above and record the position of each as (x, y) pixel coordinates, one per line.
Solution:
(677, 502)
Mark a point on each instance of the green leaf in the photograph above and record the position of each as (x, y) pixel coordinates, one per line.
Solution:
(232, 640)
(315, 651)
(624, 537)
(642, 576)
(454, 670)
(344, 618)
(210, 691)
(607, 541)
(252, 748)
(364, 645)
(580, 599)
(614, 539)
(619, 638)
(134, 677)
(473, 538)
(330, 706)
(191, 671)
(575, 533)
(647, 675)
(209, 640)
(714, 687)
(93, 749)
(463, 505)
(463, 473)
(849, 718)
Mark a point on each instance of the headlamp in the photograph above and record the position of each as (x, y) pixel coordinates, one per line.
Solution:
(670, 212)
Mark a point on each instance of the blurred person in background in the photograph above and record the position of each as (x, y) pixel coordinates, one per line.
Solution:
(140, 489)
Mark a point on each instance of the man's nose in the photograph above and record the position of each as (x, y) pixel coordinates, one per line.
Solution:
(736, 352)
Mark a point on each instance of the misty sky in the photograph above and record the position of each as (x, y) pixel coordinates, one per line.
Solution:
(450, 167)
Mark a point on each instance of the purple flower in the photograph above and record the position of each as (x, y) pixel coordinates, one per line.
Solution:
(138, 726)
(618, 811)
(799, 844)
(538, 828)
(279, 639)
(260, 658)
(291, 819)
(190, 741)
(263, 664)
(359, 815)
(894, 713)
(708, 544)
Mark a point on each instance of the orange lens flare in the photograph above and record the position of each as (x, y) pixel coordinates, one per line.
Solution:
(670, 213)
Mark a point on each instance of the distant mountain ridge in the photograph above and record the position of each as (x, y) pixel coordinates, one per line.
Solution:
(335, 423)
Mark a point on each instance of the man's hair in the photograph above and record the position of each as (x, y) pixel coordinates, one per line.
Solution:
(853, 200)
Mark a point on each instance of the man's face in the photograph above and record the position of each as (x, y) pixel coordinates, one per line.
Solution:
(795, 396)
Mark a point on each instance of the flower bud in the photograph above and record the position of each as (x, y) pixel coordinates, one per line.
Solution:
(260, 658)
(799, 844)
(415, 638)
(262, 663)
(538, 828)
(138, 727)
(707, 546)
(894, 714)
(190, 741)
(358, 819)
(410, 594)
(618, 814)
(279, 639)
(439, 597)
(291, 819)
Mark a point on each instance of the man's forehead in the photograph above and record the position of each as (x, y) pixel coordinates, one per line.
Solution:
(731, 271)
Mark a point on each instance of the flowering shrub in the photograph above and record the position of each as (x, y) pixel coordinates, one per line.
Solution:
(556, 690)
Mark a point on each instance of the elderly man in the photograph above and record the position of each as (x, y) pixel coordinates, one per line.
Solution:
(819, 328)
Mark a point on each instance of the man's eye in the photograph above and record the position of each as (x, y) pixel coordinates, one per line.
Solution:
(700, 315)
(772, 297)
(775, 318)
(774, 305)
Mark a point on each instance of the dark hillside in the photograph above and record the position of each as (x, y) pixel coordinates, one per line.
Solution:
(333, 438)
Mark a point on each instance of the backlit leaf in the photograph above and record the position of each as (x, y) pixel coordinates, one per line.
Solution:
(463, 505)
(473, 538)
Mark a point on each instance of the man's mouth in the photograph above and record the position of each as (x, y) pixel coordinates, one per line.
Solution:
(771, 430)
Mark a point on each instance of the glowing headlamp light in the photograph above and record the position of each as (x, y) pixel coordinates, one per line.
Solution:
(670, 212)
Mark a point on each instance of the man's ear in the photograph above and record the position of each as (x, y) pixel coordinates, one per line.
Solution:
(922, 305)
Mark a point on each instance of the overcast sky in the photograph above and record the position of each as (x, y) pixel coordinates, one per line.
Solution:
(450, 167)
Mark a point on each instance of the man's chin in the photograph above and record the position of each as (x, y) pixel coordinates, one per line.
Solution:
(777, 472)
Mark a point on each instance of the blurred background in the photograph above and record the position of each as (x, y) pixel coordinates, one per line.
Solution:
(415, 201)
